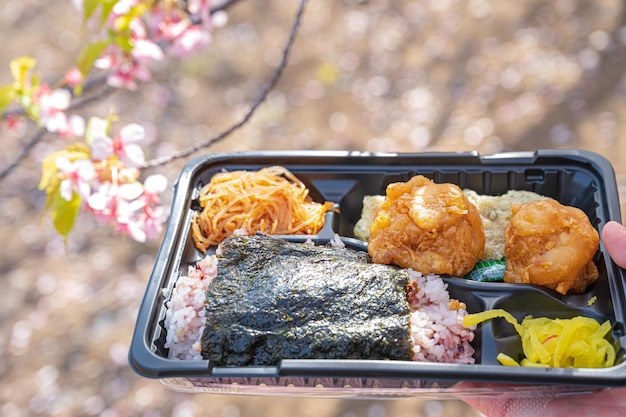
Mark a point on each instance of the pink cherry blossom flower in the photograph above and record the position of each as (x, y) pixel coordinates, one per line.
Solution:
(144, 213)
(52, 106)
(122, 79)
(131, 227)
(100, 202)
(73, 77)
(189, 42)
(13, 122)
(145, 51)
(125, 74)
(73, 126)
(77, 176)
(113, 205)
(108, 204)
(125, 70)
(171, 29)
(153, 222)
(219, 19)
(122, 7)
(155, 185)
(108, 59)
(67, 127)
(154, 215)
(131, 208)
(130, 191)
(122, 145)
(138, 28)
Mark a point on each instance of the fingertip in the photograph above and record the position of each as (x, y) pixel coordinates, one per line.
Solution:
(612, 226)
(614, 238)
(613, 231)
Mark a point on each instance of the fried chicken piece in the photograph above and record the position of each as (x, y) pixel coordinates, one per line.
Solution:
(551, 245)
(429, 227)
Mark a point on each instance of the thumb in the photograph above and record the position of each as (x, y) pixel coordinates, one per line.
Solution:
(614, 238)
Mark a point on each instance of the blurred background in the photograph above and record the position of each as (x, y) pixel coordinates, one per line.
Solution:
(402, 76)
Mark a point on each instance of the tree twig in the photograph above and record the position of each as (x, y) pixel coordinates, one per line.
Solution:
(267, 87)
(23, 154)
(222, 5)
(85, 101)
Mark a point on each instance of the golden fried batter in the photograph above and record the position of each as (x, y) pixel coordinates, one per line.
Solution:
(429, 227)
(552, 245)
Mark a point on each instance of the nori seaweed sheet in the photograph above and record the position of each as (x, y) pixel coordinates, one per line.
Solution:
(274, 300)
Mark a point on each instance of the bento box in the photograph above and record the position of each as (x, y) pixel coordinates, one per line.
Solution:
(573, 177)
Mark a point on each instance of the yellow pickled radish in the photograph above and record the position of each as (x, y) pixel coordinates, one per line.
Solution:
(506, 360)
(578, 342)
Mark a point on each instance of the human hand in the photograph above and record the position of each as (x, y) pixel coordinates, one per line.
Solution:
(606, 403)
(603, 403)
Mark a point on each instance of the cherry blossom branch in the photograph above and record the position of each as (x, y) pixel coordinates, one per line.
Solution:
(88, 86)
(38, 136)
(100, 174)
(267, 87)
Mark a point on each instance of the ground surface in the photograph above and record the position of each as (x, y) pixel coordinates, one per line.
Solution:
(364, 75)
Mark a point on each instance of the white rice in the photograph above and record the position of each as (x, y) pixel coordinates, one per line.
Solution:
(437, 332)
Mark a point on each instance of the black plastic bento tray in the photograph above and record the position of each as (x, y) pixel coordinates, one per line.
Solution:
(573, 177)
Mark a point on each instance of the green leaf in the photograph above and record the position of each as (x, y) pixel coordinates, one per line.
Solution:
(107, 8)
(125, 42)
(122, 22)
(49, 172)
(64, 213)
(7, 95)
(89, 7)
(89, 54)
(20, 67)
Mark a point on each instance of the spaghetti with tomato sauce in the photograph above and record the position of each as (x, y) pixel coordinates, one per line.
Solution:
(271, 200)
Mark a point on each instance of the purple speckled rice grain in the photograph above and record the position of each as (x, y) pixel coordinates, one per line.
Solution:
(438, 332)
